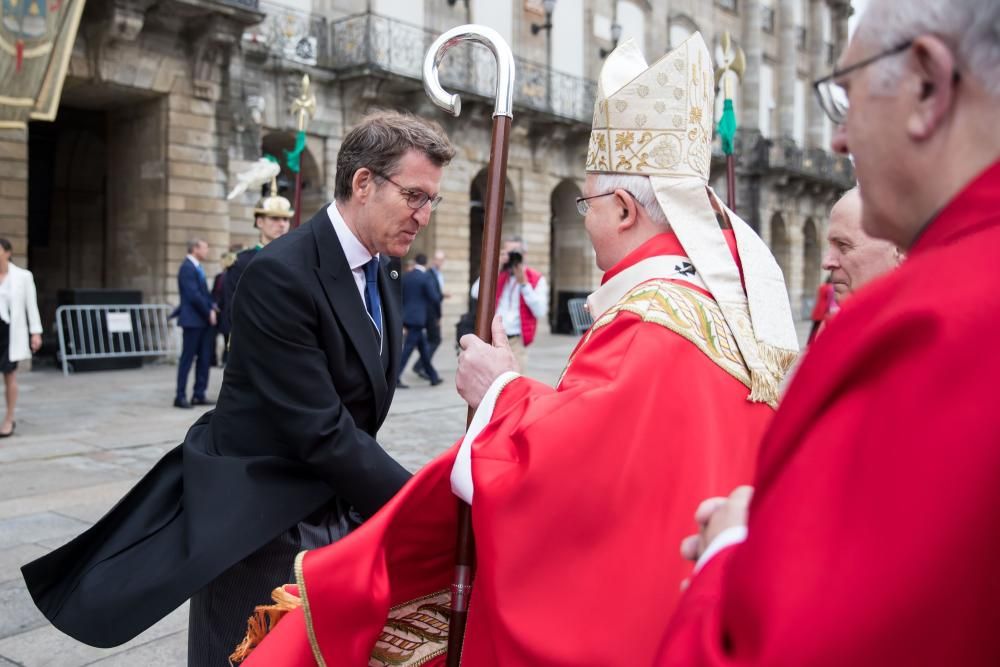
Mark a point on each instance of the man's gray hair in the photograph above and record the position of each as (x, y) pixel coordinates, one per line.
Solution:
(519, 240)
(640, 188)
(970, 27)
(194, 243)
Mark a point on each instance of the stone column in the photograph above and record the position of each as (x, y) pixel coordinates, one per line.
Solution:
(753, 47)
(796, 255)
(817, 68)
(787, 56)
(14, 191)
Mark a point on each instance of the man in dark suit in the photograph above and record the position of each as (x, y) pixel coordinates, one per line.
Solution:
(288, 459)
(196, 316)
(421, 303)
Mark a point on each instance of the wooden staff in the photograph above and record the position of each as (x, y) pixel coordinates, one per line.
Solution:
(496, 180)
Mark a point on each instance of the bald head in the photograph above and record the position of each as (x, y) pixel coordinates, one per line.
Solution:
(853, 258)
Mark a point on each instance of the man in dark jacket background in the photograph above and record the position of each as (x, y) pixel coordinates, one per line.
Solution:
(196, 317)
(421, 304)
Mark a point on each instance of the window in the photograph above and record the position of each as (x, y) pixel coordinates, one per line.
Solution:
(767, 103)
(727, 4)
(632, 19)
(799, 113)
(767, 19)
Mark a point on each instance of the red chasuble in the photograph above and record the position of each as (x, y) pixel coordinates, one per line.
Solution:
(874, 531)
(582, 494)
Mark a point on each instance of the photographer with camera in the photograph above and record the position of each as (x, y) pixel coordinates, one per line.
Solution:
(522, 298)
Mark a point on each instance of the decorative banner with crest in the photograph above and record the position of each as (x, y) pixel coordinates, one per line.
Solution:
(36, 40)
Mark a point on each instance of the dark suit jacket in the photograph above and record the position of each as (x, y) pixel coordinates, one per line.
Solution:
(421, 298)
(233, 274)
(294, 428)
(196, 301)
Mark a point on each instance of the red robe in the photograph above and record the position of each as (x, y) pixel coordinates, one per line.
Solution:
(580, 491)
(873, 532)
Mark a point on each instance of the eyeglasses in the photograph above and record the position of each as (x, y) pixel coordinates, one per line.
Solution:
(415, 199)
(832, 96)
(583, 203)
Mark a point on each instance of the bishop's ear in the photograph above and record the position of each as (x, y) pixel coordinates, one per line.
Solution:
(629, 209)
(933, 65)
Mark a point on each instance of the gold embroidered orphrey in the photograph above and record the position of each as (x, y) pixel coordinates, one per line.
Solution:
(660, 123)
(684, 311)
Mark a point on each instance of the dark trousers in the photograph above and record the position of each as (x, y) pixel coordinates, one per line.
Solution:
(197, 345)
(217, 620)
(416, 337)
(433, 341)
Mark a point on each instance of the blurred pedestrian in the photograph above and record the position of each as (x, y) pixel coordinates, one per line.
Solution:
(436, 269)
(421, 304)
(20, 328)
(197, 318)
(219, 297)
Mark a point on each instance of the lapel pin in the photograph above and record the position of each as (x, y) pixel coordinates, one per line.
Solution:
(394, 274)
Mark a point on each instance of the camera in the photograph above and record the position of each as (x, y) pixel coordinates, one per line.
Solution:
(514, 258)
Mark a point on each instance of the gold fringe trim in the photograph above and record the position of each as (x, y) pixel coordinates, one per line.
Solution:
(263, 620)
(300, 579)
(765, 387)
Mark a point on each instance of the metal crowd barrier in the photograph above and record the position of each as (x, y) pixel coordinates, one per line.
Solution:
(114, 331)
(579, 316)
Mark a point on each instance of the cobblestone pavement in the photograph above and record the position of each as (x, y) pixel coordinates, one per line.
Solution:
(83, 441)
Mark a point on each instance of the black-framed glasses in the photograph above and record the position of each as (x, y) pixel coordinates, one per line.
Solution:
(415, 199)
(832, 96)
(583, 203)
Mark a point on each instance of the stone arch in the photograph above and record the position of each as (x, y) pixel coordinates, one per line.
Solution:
(781, 245)
(477, 217)
(812, 253)
(277, 143)
(679, 28)
(569, 257)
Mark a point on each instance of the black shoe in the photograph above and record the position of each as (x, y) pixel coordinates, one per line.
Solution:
(201, 401)
(182, 403)
(13, 425)
(435, 382)
(401, 385)
(421, 373)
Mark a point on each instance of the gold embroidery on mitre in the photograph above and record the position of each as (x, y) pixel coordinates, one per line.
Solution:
(663, 101)
(688, 313)
(415, 633)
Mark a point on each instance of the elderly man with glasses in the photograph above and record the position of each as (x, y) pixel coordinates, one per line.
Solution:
(872, 535)
(577, 489)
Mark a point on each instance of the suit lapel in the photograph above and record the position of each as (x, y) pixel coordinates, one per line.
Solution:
(392, 326)
(337, 279)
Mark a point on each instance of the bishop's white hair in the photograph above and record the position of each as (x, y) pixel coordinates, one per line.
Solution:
(640, 188)
(970, 27)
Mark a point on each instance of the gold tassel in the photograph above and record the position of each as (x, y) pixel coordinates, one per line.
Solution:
(765, 387)
(264, 618)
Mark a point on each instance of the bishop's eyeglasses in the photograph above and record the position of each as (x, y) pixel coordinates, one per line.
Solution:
(832, 96)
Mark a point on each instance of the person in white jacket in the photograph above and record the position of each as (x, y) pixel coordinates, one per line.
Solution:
(20, 327)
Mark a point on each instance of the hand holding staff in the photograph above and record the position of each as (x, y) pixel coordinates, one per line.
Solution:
(495, 181)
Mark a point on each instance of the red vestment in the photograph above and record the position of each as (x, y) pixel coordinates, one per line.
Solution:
(582, 494)
(873, 531)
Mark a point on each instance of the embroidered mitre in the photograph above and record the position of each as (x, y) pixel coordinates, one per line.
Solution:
(656, 121)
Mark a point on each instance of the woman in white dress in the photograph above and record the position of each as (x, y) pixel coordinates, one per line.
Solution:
(20, 327)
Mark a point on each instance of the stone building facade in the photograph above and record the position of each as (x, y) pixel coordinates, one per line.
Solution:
(166, 100)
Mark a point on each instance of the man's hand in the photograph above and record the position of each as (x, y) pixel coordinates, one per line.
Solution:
(480, 364)
(714, 516)
(36, 342)
(518, 271)
(212, 319)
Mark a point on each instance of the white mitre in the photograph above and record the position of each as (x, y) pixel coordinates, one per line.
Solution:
(656, 121)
